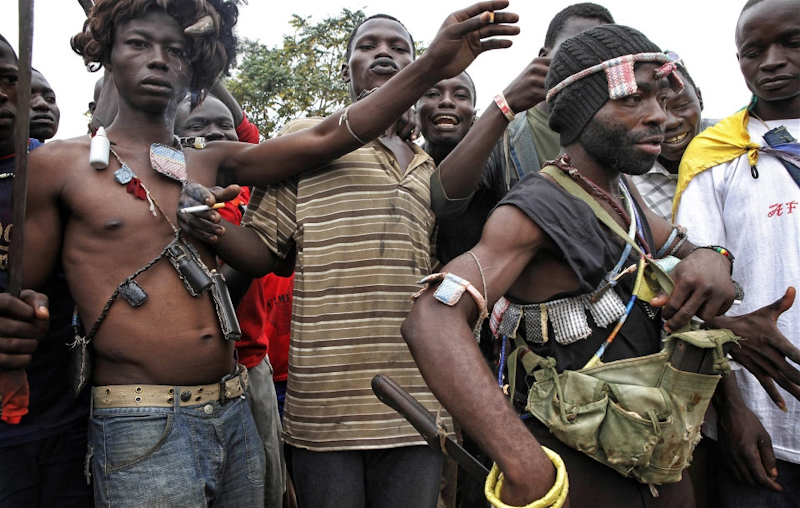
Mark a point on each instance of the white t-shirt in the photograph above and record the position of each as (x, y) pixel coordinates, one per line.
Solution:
(759, 221)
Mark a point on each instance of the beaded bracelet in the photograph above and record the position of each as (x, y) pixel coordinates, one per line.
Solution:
(500, 100)
(721, 250)
(555, 497)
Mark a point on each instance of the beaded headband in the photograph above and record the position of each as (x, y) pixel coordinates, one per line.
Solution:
(620, 74)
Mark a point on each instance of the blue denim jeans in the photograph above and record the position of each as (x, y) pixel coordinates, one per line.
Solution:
(180, 457)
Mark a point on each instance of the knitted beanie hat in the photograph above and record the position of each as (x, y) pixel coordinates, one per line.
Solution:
(574, 106)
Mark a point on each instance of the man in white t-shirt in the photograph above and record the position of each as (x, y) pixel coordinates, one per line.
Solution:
(736, 189)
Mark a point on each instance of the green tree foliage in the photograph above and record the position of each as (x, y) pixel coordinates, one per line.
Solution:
(301, 78)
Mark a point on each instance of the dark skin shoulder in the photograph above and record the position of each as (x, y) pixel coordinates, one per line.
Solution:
(103, 235)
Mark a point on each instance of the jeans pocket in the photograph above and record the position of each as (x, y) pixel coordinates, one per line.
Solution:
(130, 439)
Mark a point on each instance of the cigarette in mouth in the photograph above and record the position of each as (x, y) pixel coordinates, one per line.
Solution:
(201, 208)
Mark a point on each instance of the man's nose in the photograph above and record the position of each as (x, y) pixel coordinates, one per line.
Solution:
(214, 134)
(39, 104)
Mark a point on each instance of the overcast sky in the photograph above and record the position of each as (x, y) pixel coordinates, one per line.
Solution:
(700, 31)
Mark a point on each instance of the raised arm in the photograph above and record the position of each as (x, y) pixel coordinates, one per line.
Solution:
(441, 341)
(461, 170)
(463, 36)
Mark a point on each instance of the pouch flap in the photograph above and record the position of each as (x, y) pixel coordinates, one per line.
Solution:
(642, 400)
(706, 339)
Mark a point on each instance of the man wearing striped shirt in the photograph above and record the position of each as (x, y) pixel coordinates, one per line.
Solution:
(360, 227)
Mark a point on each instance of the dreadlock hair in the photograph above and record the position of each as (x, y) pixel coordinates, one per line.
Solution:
(5, 41)
(585, 10)
(378, 16)
(210, 54)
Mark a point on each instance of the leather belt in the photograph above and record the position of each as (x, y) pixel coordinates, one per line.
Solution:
(121, 396)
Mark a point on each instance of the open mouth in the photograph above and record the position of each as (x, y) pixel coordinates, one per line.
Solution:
(677, 139)
(445, 120)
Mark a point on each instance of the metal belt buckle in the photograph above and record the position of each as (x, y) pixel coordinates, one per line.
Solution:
(222, 391)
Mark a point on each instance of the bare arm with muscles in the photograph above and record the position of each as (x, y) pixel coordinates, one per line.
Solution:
(464, 35)
(441, 341)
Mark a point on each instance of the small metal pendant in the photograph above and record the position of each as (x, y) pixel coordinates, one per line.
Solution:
(124, 175)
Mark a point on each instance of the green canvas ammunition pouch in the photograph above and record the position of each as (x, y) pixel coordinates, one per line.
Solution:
(640, 416)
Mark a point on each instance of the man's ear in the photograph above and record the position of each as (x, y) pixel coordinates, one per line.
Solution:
(544, 51)
(345, 73)
(699, 97)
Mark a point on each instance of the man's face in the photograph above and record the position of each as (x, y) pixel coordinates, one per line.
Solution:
(381, 48)
(44, 110)
(446, 111)
(9, 74)
(683, 121)
(149, 62)
(211, 119)
(768, 44)
(625, 135)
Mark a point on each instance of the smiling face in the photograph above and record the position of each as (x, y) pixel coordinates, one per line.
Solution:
(447, 110)
(211, 120)
(380, 49)
(45, 114)
(683, 121)
(625, 135)
(768, 43)
(149, 62)
(9, 73)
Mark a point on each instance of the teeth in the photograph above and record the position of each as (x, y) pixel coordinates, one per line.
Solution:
(445, 120)
(676, 139)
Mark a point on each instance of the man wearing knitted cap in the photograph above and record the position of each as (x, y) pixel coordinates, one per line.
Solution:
(170, 424)
(553, 259)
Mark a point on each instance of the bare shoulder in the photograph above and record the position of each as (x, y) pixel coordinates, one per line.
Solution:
(511, 229)
(61, 149)
(57, 161)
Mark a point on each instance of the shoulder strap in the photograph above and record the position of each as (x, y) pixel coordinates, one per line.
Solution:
(658, 275)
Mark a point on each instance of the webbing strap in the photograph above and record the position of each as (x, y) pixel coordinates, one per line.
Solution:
(565, 182)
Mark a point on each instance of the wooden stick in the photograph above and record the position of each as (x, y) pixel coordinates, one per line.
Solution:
(21, 134)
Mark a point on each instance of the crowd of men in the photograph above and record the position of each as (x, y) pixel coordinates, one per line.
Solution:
(577, 284)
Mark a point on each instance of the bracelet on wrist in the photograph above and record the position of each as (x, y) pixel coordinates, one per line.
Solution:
(739, 291)
(678, 231)
(502, 105)
(555, 497)
(719, 249)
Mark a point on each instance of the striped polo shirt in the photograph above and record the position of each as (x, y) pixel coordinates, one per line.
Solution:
(362, 226)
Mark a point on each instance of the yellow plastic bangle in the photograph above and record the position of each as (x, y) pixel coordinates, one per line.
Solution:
(555, 497)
